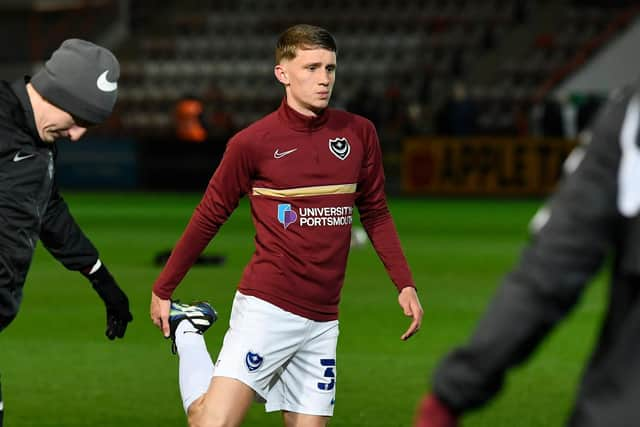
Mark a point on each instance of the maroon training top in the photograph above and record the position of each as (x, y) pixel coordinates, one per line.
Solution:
(303, 176)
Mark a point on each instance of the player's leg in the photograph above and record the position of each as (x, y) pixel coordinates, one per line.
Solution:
(208, 403)
(260, 340)
(224, 405)
(305, 390)
(293, 419)
(188, 323)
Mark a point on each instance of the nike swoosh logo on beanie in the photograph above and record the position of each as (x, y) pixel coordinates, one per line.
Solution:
(80, 78)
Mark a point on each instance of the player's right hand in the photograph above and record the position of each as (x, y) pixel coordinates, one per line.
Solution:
(432, 412)
(410, 303)
(160, 313)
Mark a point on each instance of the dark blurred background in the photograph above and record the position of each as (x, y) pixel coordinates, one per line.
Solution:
(468, 97)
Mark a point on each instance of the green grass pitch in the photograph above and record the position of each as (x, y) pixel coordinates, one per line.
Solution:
(58, 369)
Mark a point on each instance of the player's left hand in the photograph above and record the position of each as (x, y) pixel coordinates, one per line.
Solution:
(410, 303)
(115, 301)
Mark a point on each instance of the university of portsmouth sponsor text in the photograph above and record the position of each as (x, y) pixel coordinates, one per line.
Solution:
(331, 216)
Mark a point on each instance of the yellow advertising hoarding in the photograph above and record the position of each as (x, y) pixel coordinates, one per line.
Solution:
(482, 166)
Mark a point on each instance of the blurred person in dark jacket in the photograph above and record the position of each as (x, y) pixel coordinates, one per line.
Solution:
(593, 216)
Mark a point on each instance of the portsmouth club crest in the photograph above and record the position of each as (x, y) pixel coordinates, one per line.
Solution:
(339, 147)
(253, 360)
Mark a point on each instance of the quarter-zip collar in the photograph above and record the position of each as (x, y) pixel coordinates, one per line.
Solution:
(19, 87)
(300, 122)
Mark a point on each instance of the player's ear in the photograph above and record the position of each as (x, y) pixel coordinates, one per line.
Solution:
(281, 74)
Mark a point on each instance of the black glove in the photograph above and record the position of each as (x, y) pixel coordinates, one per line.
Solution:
(115, 300)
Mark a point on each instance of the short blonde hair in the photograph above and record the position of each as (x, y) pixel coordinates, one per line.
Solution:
(303, 36)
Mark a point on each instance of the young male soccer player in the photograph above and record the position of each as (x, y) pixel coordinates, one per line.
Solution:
(304, 167)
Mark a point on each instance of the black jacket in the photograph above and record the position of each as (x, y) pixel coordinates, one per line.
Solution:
(30, 206)
(592, 216)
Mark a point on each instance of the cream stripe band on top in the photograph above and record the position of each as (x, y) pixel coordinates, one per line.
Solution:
(320, 190)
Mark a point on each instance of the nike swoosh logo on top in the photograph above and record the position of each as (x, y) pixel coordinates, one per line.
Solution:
(278, 155)
(104, 84)
(19, 156)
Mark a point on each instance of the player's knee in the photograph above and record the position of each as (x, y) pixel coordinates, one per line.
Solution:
(208, 420)
(194, 412)
(198, 416)
(292, 419)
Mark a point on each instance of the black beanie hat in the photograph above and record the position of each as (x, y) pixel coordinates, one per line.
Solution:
(80, 78)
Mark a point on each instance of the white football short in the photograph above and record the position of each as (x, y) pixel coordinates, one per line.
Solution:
(289, 361)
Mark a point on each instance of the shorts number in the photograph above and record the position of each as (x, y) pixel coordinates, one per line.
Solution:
(329, 373)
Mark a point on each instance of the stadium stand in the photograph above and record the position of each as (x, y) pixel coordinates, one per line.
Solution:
(414, 67)
(504, 51)
(505, 55)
